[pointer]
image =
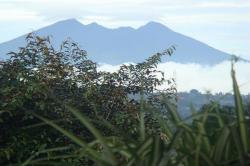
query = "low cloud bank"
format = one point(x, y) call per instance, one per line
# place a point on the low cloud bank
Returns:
point(216, 78)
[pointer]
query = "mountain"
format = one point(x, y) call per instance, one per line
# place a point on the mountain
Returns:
point(124, 44)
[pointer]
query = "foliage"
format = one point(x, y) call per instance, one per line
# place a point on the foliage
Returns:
point(58, 109)
point(40, 79)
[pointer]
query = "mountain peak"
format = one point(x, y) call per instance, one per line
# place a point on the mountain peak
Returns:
point(152, 25)
point(95, 25)
point(71, 21)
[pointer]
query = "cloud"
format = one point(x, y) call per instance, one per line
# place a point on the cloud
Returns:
point(224, 4)
point(215, 78)
point(17, 15)
point(130, 9)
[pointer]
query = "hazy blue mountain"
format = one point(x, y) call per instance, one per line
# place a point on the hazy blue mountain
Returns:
point(124, 44)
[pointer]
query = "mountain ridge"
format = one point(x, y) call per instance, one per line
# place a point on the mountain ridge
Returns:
point(125, 44)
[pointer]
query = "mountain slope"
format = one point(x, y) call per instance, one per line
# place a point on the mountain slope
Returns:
point(125, 44)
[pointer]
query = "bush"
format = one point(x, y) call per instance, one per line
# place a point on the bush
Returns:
point(39, 79)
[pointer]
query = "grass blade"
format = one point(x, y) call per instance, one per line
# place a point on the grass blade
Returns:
point(109, 156)
point(240, 113)
point(92, 153)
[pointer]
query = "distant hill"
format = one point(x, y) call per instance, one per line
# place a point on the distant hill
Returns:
point(197, 99)
point(124, 44)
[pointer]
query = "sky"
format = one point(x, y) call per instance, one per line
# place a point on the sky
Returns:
point(223, 24)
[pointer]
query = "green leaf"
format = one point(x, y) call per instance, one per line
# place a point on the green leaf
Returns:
point(240, 113)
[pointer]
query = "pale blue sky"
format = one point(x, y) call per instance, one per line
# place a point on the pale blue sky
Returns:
point(223, 24)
